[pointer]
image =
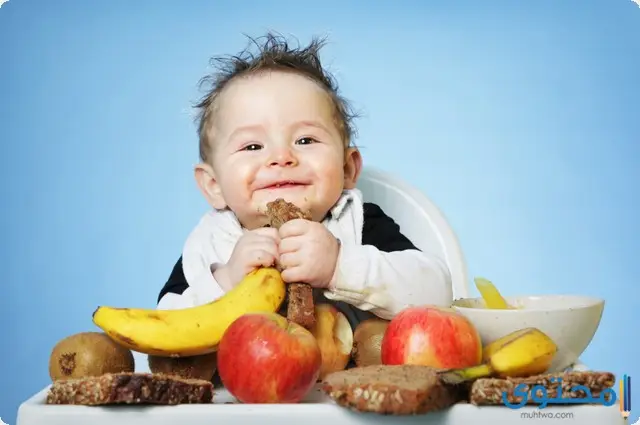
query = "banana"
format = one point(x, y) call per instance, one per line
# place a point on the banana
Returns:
point(196, 330)
point(526, 352)
point(492, 297)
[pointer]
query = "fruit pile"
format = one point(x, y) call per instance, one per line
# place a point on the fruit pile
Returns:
point(262, 357)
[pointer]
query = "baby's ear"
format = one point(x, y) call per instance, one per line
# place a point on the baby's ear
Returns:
point(206, 180)
point(352, 167)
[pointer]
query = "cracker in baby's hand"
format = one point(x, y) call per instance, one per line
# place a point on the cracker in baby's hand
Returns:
point(281, 211)
point(300, 308)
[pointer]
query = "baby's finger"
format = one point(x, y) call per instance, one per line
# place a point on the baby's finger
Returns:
point(268, 232)
point(262, 258)
point(260, 247)
point(293, 275)
point(289, 260)
point(258, 241)
point(295, 227)
point(266, 245)
point(291, 244)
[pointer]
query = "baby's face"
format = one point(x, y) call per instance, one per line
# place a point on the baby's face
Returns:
point(275, 137)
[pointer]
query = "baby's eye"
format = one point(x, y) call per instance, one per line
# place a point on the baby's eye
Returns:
point(252, 147)
point(306, 141)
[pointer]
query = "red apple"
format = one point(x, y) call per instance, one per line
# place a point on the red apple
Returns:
point(431, 336)
point(264, 358)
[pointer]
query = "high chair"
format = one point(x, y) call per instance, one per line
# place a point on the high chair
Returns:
point(419, 220)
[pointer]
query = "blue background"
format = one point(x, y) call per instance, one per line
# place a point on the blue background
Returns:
point(519, 119)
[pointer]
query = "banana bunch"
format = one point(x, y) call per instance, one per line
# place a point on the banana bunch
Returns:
point(196, 330)
point(522, 353)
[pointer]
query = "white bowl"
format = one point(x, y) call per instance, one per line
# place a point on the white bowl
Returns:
point(570, 320)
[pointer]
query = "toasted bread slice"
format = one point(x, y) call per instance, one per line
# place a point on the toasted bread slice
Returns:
point(488, 391)
point(392, 390)
point(130, 388)
point(300, 307)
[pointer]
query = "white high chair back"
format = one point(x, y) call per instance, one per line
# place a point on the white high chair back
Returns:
point(419, 220)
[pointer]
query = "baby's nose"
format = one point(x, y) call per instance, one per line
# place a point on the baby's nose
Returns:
point(282, 157)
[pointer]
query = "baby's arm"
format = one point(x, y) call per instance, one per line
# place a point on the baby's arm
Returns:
point(191, 282)
point(177, 293)
point(387, 272)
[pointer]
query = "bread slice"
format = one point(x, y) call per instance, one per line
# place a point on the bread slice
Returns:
point(392, 390)
point(300, 307)
point(488, 391)
point(130, 388)
point(281, 211)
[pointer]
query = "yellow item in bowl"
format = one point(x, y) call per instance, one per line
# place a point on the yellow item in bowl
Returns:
point(491, 295)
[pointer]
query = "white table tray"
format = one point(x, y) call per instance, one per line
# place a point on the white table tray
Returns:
point(317, 409)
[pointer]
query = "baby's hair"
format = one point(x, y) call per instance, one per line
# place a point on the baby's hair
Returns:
point(274, 54)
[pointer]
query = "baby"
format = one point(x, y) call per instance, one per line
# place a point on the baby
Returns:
point(274, 126)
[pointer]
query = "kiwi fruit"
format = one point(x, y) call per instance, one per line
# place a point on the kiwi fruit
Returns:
point(367, 341)
point(88, 354)
point(192, 367)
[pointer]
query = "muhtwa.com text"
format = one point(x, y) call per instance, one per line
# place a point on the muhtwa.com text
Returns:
point(546, 415)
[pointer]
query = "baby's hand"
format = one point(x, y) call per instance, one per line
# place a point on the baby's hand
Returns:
point(308, 253)
point(255, 248)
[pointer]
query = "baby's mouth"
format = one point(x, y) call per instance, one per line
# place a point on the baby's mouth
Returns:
point(285, 185)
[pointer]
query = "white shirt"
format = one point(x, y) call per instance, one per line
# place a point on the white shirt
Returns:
point(369, 279)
